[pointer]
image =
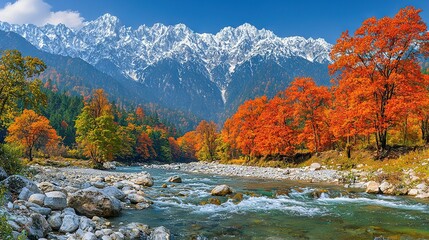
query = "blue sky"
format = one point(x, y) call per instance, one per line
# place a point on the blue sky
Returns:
point(326, 19)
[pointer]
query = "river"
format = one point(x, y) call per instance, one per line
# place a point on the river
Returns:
point(273, 209)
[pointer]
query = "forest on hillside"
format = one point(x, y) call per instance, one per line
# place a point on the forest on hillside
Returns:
point(379, 97)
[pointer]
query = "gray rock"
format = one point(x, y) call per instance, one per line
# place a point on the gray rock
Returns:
point(160, 233)
point(37, 198)
point(144, 180)
point(86, 224)
point(109, 165)
point(68, 211)
point(221, 190)
point(92, 202)
point(55, 200)
point(16, 183)
point(136, 198)
point(55, 221)
point(25, 194)
point(100, 185)
point(70, 224)
point(42, 210)
point(47, 187)
point(385, 187)
point(89, 236)
point(3, 174)
point(114, 192)
point(38, 227)
point(142, 205)
point(372, 187)
point(175, 179)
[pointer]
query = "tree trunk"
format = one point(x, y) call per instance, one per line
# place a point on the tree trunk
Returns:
point(30, 154)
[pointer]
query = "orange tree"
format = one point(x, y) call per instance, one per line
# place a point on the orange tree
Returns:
point(310, 104)
point(32, 131)
point(380, 63)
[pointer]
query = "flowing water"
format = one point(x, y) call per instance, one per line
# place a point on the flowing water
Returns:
point(276, 210)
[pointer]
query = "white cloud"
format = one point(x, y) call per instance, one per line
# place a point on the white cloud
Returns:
point(38, 13)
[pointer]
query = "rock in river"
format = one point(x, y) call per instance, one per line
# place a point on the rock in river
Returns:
point(373, 187)
point(92, 202)
point(221, 190)
point(175, 179)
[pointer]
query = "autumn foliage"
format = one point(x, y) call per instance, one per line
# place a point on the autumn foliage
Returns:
point(32, 131)
point(379, 80)
point(378, 91)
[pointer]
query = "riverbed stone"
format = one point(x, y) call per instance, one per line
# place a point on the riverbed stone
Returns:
point(25, 194)
point(89, 236)
point(221, 190)
point(55, 220)
point(70, 224)
point(175, 179)
point(136, 198)
point(413, 192)
point(55, 200)
point(42, 210)
point(38, 227)
point(160, 233)
point(145, 180)
point(112, 191)
point(86, 224)
point(92, 202)
point(315, 166)
point(48, 187)
point(16, 183)
point(37, 198)
point(372, 187)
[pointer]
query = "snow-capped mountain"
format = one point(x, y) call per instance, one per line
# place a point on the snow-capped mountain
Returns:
point(174, 60)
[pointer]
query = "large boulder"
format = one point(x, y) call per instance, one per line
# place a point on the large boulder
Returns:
point(3, 174)
point(16, 183)
point(372, 187)
point(112, 191)
point(92, 202)
point(160, 233)
point(55, 200)
point(143, 180)
point(221, 190)
point(38, 227)
point(175, 179)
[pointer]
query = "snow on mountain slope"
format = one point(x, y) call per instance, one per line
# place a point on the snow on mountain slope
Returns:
point(132, 50)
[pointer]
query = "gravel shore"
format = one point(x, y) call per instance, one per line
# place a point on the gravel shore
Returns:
point(296, 174)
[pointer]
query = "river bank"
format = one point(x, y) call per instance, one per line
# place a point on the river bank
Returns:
point(405, 182)
point(78, 203)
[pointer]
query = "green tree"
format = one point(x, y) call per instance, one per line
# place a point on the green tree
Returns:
point(96, 131)
point(17, 83)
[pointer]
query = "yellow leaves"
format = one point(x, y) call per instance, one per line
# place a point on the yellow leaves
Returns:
point(32, 130)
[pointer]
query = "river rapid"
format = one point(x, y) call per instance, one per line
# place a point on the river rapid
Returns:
point(274, 209)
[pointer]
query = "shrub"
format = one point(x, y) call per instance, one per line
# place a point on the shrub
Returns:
point(5, 229)
point(10, 158)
